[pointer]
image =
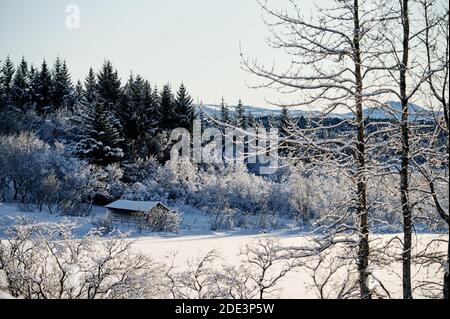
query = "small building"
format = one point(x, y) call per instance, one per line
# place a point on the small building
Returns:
point(141, 215)
point(135, 207)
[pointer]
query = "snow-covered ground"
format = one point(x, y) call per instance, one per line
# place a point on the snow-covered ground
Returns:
point(195, 239)
point(193, 221)
point(297, 284)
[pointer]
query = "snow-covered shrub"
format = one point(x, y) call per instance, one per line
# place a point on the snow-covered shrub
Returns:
point(160, 220)
point(140, 170)
point(42, 176)
point(222, 216)
point(301, 199)
point(43, 261)
point(175, 181)
point(105, 181)
point(262, 265)
point(236, 198)
point(179, 179)
point(104, 224)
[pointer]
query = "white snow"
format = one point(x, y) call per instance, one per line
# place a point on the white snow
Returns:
point(196, 239)
point(297, 284)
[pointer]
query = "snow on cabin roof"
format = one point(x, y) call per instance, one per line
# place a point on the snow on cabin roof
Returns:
point(138, 206)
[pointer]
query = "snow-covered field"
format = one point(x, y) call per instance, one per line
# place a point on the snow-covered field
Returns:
point(194, 240)
point(297, 284)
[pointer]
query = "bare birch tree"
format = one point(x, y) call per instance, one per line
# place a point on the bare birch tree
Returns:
point(435, 148)
point(334, 56)
point(409, 69)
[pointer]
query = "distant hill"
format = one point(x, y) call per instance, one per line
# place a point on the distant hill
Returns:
point(417, 113)
point(257, 111)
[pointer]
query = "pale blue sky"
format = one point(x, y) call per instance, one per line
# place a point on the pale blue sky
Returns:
point(195, 41)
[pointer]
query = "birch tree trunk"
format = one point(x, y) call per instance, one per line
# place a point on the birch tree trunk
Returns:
point(404, 171)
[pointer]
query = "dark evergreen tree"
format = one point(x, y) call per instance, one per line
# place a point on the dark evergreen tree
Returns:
point(252, 121)
point(34, 84)
point(90, 87)
point(156, 105)
point(168, 120)
point(108, 86)
point(79, 92)
point(128, 110)
point(302, 122)
point(151, 106)
point(150, 109)
point(224, 113)
point(99, 141)
point(285, 124)
point(6, 82)
point(184, 109)
point(62, 89)
point(139, 115)
point(44, 90)
point(201, 116)
point(240, 120)
point(21, 91)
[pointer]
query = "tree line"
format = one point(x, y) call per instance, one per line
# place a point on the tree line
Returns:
point(110, 121)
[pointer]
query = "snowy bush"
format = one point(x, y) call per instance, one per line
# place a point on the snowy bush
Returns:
point(140, 170)
point(43, 261)
point(106, 181)
point(160, 220)
point(261, 267)
point(42, 176)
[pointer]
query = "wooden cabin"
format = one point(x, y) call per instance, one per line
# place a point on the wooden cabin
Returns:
point(132, 207)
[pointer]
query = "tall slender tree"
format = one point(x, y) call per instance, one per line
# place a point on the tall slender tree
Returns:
point(6, 81)
point(285, 123)
point(224, 112)
point(333, 54)
point(90, 86)
point(108, 86)
point(184, 108)
point(20, 92)
point(34, 86)
point(44, 90)
point(63, 95)
point(240, 120)
point(168, 118)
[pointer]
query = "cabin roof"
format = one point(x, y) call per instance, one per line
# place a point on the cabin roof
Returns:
point(131, 205)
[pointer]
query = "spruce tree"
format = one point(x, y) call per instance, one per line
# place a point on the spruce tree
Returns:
point(90, 86)
point(240, 120)
point(21, 91)
point(128, 110)
point(285, 123)
point(6, 82)
point(252, 121)
point(150, 107)
point(184, 109)
point(224, 113)
point(79, 92)
point(108, 86)
point(99, 141)
point(167, 109)
point(139, 115)
point(34, 84)
point(156, 105)
point(62, 88)
point(44, 90)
